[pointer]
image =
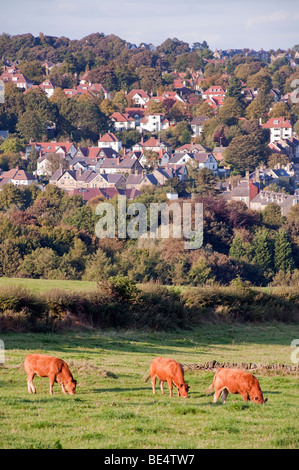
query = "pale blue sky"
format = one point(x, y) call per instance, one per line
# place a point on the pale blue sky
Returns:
point(223, 24)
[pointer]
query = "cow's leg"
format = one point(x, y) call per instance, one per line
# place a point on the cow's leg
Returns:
point(31, 387)
point(153, 380)
point(245, 396)
point(161, 387)
point(170, 387)
point(51, 380)
point(224, 394)
point(63, 389)
point(217, 395)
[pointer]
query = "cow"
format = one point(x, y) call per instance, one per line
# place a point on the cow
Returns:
point(227, 381)
point(170, 371)
point(47, 366)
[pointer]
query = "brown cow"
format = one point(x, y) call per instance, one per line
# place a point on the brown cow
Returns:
point(227, 381)
point(170, 371)
point(47, 366)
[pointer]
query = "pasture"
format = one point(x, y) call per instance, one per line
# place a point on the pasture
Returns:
point(115, 409)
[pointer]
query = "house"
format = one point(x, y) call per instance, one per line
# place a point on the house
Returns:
point(206, 160)
point(215, 102)
point(105, 193)
point(136, 114)
point(245, 191)
point(17, 78)
point(154, 122)
point(214, 91)
point(191, 148)
point(218, 153)
point(139, 181)
point(48, 87)
point(197, 125)
point(284, 201)
point(156, 145)
point(289, 147)
point(74, 179)
point(117, 165)
point(162, 175)
point(65, 149)
point(43, 166)
point(18, 177)
point(180, 158)
point(280, 128)
point(249, 94)
point(110, 140)
point(138, 97)
point(88, 152)
point(122, 121)
point(168, 95)
point(200, 159)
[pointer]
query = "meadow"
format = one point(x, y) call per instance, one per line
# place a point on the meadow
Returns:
point(114, 408)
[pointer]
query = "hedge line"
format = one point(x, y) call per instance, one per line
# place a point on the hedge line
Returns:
point(153, 307)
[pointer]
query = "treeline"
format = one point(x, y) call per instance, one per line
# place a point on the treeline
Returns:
point(118, 303)
point(51, 235)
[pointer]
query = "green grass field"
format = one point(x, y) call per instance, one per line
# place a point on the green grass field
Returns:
point(115, 409)
point(42, 285)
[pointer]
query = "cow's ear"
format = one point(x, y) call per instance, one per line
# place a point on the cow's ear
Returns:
point(266, 399)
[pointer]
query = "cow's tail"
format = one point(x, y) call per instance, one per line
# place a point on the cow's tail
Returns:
point(211, 387)
point(146, 378)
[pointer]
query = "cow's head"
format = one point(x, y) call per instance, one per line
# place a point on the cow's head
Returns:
point(183, 390)
point(71, 386)
point(258, 398)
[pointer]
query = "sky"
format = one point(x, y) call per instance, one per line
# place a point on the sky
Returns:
point(256, 24)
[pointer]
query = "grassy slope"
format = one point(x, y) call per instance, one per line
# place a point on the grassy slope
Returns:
point(40, 285)
point(122, 412)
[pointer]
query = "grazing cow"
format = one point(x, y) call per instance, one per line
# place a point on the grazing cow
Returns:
point(170, 371)
point(227, 381)
point(47, 366)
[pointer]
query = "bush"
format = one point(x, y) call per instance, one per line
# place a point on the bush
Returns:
point(119, 304)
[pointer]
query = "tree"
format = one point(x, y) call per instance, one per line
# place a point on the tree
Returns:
point(243, 153)
point(12, 145)
point(202, 181)
point(30, 127)
point(39, 263)
point(280, 109)
point(32, 70)
point(259, 107)
point(283, 259)
point(234, 90)
point(230, 111)
point(261, 80)
point(11, 195)
point(237, 250)
point(200, 272)
point(120, 101)
point(152, 159)
point(262, 250)
point(271, 216)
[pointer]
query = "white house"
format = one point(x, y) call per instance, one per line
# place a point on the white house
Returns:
point(197, 125)
point(154, 123)
point(280, 128)
point(110, 140)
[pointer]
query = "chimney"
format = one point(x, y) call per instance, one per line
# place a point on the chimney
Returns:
point(253, 191)
point(257, 175)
